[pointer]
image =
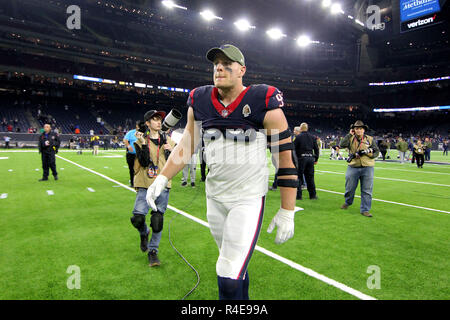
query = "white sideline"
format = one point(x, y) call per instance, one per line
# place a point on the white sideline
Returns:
point(384, 168)
point(288, 262)
point(392, 179)
point(387, 201)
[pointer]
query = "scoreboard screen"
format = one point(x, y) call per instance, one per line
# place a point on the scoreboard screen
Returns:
point(416, 14)
point(412, 9)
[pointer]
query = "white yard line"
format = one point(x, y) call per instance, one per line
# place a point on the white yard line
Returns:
point(393, 179)
point(50, 192)
point(392, 202)
point(288, 262)
point(384, 168)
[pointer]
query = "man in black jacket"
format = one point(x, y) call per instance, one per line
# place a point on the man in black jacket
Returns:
point(307, 153)
point(48, 146)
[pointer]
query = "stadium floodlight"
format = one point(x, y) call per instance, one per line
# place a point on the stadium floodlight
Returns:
point(336, 8)
point(303, 41)
point(170, 4)
point(243, 25)
point(326, 3)
point(208, 15)
point(275, 34)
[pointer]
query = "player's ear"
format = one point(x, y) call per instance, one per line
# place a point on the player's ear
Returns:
point(243, 70)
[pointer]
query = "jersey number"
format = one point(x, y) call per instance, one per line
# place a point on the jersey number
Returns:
point(279, 97)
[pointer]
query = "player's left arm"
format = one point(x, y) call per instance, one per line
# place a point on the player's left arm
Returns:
point(276, 124)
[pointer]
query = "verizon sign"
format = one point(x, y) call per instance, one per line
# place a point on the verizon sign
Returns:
point(420, 22)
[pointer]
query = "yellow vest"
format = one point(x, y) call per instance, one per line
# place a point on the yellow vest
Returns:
point(141, 178)
point(419, 149)
point(355, 146)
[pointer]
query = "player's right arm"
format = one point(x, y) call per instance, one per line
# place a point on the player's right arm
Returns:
point(180, 155)
point(183, 151)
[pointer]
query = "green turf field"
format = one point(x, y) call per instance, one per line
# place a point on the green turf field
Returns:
point(42, 235)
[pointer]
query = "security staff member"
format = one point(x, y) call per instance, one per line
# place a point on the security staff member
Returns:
point(307, 153)
point(48, 146)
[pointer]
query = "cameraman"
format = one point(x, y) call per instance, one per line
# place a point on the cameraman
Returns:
point(152, 150)
point(361, 161)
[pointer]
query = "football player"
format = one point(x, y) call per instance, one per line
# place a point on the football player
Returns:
point(236, 123)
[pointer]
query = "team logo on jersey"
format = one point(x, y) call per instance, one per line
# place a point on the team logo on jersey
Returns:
point(224, 113)
point(246, 111)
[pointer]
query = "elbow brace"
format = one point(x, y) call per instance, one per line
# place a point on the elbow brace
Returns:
point(283, 147)
point(278, 137)
point(288, 183)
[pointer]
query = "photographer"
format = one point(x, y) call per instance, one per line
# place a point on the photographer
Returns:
point(419, 153)
point(152, 150)
point(361, 161)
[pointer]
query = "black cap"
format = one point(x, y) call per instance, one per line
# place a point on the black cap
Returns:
point(150, 114)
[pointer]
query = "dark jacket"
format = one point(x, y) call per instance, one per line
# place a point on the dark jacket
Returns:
point(49, 143)
point(306, 143)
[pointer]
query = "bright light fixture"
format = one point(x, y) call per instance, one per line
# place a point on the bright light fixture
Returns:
point(275, 34)
point(326, 3)
point(336, 8)
point(243, 25)
point(303, 41)
point(208, 15)
point(170, 4)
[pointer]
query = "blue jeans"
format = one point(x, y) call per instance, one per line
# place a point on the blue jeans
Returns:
point(352, 176)
point(141, 207)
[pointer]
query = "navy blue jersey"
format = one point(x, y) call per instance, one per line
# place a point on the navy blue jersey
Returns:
point(246, 112)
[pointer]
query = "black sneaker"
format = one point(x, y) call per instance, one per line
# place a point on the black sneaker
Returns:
point(56, 177)
point(184, 184)
point(43, 179)
point(193, 184)
point(153, 259)
point(144, 242)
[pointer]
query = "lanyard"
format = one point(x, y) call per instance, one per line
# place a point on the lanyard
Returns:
point(157, 150)
point(360, 144)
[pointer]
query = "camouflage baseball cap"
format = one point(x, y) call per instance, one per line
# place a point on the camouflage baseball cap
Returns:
point(232, 52)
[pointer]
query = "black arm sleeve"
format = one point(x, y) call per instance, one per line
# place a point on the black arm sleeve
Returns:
point(316, 150)
point(40, 144)
point(142, 155)
point(57, 142)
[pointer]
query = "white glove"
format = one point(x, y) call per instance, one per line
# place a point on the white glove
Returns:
point(155, 190)
point(284, 221)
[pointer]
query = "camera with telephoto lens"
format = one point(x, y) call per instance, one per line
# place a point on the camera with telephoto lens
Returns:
point(365, 152)
point(171, 120)
point(352, 156)
point(142, 127)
